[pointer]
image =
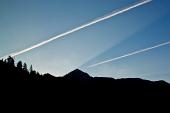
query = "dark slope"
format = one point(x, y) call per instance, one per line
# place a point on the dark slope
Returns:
point(78, 82)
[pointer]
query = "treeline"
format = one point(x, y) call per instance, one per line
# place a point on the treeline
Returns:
point(78, 81)
point(19, 71)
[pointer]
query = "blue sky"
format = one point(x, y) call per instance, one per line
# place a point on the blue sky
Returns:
point(27, 22)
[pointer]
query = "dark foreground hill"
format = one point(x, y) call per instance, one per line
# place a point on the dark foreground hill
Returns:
point(79, 83)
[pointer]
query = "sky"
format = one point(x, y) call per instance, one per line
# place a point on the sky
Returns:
point(24, 23)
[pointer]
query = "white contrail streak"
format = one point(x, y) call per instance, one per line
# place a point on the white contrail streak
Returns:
point(110, 15)
point(129, 54)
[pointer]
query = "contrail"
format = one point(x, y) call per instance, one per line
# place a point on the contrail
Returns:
point(108, 16)
point(129, 54)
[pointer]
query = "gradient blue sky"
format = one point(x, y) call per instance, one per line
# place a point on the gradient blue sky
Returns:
point(26, 22)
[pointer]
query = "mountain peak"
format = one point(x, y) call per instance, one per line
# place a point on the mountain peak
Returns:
point(77, 75)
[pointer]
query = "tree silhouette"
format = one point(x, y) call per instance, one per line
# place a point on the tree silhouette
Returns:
point(31, 69)
point(25, 67)
point(19, 65)
point(10, 61)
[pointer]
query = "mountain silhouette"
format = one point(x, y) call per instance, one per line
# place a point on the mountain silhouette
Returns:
point(77, 75)
point(78, 81)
